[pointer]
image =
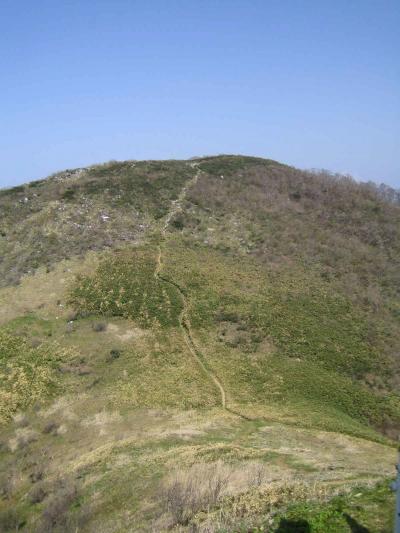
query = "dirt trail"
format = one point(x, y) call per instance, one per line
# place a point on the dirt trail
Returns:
point(184, 315)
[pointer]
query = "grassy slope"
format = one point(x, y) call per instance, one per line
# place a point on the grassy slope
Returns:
point(284, 343)
point(49, 220)
point(270, 305)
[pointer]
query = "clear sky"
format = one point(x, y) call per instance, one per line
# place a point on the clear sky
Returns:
point(312, 83)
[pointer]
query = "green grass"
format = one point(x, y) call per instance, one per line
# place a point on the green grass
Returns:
point(364, 510)
point(31, 326)
point(282, 338)
point(27, 375)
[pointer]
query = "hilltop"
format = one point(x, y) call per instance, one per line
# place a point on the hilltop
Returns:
point(227, 326)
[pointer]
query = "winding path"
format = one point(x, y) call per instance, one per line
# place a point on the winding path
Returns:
point(184, 320)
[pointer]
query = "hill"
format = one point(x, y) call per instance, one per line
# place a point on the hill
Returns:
point(197, 345)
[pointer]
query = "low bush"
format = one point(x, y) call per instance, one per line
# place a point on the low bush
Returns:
point(113, 355)
point(21, 420)
point(26, 439)
point(50, 427)
point(37, 494)
point(27, 374)
point(178, 223)
point(37, 474)
point(99, 326)
point(62, 511)
point(11, 520)
point(187, 492)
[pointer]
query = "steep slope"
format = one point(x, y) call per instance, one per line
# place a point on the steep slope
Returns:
point(229, 320)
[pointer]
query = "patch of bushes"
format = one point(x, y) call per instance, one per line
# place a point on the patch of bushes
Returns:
point(311, 387)
point(11, 520)
point(284, 336)
point(27, 374)
point(99, 326)
point(41, 232)
point(186, 493)
point(301, 508)
point(125, 285)
point(307, 320)
point(68, 194)
point(13, 190)
point(113, 355)
point(62, 509)
point(226, 165)
point(149, 186)
point(37, 494)
point(363, 510)
point(50, 427)
point(328, 221)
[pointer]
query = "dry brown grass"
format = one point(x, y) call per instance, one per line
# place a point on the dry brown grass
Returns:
point(255, 509)
point(185, 493)
point(44, 292)
point(219, 497)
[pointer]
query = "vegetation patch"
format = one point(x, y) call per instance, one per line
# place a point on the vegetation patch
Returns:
point(125, 285)
point(363, 509)
point(27, 374)
point(79, 210)
point(304, 509)
point(284, 336)
point(226, 165)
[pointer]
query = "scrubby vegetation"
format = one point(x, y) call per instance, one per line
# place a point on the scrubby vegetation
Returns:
point(303, 509)
point(27, 375)
point(224, 359)
point(125, 285)
point(330, 223)
point(364, 509)
point(286, 337)
point(79, 210)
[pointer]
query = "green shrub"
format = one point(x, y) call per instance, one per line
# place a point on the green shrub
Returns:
point(68, 194)
point(27, 374)
point(11, 520)
point(362, 510)
point(113, 355)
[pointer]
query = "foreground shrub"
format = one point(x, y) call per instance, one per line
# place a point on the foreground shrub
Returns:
point(62, 510)
point(187, 492)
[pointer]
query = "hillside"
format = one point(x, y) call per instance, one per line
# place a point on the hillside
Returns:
point(206, 345)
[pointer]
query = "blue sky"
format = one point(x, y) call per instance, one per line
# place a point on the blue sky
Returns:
point(309, 83)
